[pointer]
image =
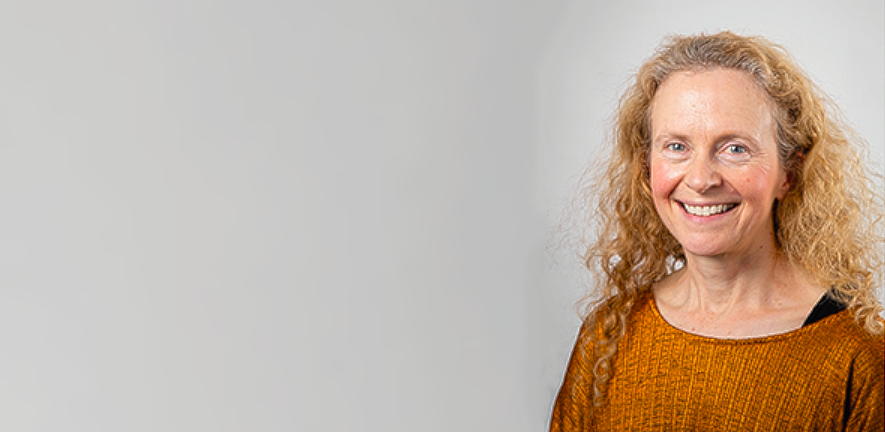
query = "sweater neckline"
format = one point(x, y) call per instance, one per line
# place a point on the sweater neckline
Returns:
point(652, 303)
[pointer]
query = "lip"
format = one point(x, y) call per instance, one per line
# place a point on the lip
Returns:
point(706, 204)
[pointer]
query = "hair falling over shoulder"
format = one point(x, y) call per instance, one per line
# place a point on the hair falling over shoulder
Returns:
point(829, 223)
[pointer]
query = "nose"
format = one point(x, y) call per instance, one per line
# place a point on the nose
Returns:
point(702, 175)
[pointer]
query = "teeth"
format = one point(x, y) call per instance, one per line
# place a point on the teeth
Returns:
point(708, 210)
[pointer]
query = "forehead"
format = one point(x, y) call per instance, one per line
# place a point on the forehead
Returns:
point(710, 99)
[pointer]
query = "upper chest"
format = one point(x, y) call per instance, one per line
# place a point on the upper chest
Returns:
point(737, 324)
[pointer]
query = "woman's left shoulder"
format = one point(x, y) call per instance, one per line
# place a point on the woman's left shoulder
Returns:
point(866, 378)
point(844, 330)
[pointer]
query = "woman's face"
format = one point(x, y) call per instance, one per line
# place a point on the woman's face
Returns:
point(714, 162)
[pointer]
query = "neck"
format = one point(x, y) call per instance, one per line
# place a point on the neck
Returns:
point(750, 295)
point(720, 284)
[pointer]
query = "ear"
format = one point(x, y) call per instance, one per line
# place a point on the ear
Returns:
point(786, 184)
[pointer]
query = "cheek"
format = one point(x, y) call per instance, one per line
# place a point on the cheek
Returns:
point(764, 184)
point(663, 180)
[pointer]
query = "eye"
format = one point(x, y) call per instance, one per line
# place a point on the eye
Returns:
point(735, 149)
point(677, 147)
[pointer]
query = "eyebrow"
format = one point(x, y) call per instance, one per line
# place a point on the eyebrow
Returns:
point(668, 137)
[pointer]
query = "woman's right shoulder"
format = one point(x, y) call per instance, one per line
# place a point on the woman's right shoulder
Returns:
point(605, 314)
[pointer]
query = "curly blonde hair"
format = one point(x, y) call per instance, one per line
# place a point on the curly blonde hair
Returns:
point(829, 223)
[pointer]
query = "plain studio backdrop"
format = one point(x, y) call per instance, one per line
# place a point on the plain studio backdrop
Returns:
point(278, 216)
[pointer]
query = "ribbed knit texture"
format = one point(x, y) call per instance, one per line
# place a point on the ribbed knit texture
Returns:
point(827, 376)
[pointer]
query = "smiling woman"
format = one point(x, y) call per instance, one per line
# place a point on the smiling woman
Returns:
point(738, 257)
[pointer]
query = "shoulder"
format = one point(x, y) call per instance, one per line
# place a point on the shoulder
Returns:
point(602, 322)
point(611, 317)
point(849, 332)
point(572, 410)
point(607, 313)
point(869, 348)
point(845, 338)
point(865, 380)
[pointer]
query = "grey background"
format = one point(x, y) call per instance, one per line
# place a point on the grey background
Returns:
point(278, 216)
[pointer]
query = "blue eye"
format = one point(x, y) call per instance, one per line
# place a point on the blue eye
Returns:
point(676, 147)
point(736, 149)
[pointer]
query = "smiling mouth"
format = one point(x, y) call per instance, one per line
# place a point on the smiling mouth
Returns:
point(707, 210)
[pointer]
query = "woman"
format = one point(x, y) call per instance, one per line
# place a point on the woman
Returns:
point(739, 255)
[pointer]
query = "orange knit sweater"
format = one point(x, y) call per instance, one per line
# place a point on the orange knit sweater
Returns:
point(827, 376)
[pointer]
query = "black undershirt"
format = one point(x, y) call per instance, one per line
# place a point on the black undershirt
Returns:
point(825, 307)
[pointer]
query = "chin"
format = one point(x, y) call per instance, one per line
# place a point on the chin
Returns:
point(706, 250)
